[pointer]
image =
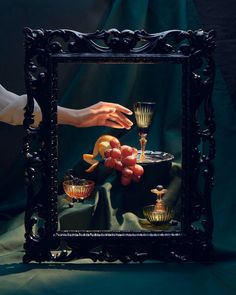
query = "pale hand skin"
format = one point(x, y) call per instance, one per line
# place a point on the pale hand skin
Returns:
point(100, 114)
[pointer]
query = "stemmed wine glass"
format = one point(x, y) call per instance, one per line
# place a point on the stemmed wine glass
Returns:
point(143, 114)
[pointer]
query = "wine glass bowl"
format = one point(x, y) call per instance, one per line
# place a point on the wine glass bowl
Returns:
point(143, 112)
point(78, 189)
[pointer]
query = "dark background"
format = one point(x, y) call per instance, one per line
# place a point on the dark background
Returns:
point(157, 15)
point(87, 16)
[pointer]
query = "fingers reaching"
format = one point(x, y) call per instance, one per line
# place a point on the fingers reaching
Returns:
point(121, 119)
point(117, 106)
point(100, 114)
point(114, 115)
point(112, 124)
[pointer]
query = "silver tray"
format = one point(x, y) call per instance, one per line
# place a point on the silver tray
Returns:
point(153, 157)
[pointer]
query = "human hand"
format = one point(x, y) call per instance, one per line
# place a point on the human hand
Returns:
point(100, 114)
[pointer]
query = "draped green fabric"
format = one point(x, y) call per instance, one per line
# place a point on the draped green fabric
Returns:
point(83, 85)
point(114, 207)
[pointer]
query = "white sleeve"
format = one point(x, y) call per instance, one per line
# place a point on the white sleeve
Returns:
point(12, 108)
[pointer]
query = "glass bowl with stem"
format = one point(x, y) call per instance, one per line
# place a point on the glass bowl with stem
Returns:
point(143, 112)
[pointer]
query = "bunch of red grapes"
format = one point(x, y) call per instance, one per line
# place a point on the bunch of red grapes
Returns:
point(123, 159)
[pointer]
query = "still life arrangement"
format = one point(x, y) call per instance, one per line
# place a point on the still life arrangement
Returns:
point(123, 158)
point(129, 164)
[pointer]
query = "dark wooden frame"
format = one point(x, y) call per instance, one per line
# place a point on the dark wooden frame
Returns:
point(44, 49)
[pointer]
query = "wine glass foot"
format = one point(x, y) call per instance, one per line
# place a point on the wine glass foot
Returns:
point(142, 157)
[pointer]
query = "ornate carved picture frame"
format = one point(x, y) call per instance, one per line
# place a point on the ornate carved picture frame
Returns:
point(193, 51)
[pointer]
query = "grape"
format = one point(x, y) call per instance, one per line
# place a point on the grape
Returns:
point(109, 162)
point(123, 159)
point(114, 143)
point(129, 161)
point(137, 170)
point(107, 153)
point(127, 172)
point(125, 180)
point(118, 165)
point(136, 178)
point(126, 150)
point(115, 153)
point(135, 151)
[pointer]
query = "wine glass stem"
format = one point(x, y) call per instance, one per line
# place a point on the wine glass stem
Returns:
point(143, 142)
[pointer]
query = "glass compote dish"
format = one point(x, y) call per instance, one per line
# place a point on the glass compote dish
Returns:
point(159, 213)
point(143, 114)
point(78, 189)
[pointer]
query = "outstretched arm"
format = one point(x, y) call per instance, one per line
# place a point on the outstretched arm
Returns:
point(100, 114)
point(12, 108)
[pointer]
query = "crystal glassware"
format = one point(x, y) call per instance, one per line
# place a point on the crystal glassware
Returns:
point(158, 214)
point(143, 112)
point(159, 191)
point(158, 217)
point(78, 189)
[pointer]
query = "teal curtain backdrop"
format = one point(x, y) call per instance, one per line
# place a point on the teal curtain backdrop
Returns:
point(126, 84)
point(83, 85)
